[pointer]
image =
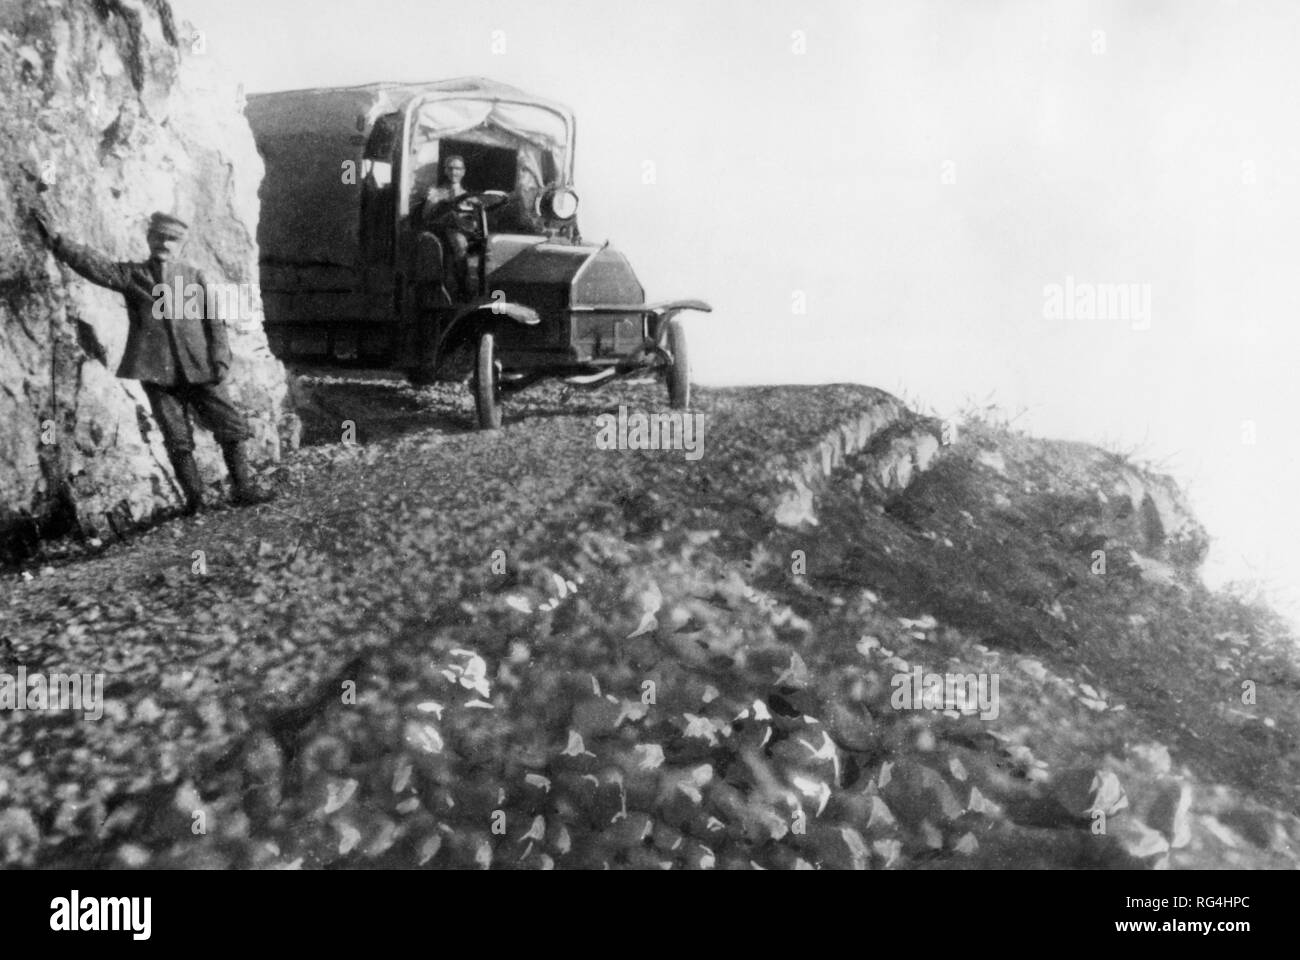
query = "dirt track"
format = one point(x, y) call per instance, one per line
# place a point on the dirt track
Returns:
point(367, 543)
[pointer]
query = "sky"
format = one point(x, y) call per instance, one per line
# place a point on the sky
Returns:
point(889, 193)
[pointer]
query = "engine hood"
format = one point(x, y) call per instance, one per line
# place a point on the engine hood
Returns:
point(559, 275)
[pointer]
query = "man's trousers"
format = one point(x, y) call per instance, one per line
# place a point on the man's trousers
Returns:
point(210, 404)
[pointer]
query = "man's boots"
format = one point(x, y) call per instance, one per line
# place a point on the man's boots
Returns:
point(245, 491)
point(187, 475)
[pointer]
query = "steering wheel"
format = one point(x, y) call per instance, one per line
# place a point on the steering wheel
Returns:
point(471, 210)
point(486, 199)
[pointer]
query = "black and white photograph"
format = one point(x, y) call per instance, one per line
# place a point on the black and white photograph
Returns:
point(759, 435)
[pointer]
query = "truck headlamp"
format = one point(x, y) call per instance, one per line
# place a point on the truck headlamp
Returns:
point(559, 204)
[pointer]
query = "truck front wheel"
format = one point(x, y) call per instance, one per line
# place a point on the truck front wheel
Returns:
point(487, 384)
point(679, 374)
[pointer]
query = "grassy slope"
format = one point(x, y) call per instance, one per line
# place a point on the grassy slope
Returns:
point(1176, 653)
point(1000, 549)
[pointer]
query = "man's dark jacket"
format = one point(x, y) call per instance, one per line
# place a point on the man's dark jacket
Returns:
point(167, 350)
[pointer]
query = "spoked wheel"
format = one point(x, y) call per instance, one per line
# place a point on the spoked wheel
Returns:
point(487, 384)
point(679, 374)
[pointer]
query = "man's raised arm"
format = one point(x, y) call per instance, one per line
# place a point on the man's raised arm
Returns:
point(91, 264)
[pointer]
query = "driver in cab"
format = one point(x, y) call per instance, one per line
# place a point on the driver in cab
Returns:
point(440, 218)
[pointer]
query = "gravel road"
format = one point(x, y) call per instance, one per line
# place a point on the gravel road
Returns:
point(213, 631)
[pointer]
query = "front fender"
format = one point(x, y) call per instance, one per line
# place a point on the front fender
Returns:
point(675, 306)
point(485, 310)
point(661, 313)
point(499, 307)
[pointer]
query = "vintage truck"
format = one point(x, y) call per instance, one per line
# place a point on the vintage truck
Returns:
point(486, 280)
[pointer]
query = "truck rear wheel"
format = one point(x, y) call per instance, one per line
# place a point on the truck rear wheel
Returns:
point(487, 384)
point(679, 374)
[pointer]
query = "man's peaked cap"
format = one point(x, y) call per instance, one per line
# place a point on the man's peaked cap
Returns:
point(168, 226)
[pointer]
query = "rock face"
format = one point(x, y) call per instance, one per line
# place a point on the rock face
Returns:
point(112, 111)
point(1158, 518)
point(896, 449)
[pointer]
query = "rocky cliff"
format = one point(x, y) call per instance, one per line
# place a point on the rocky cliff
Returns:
point(113, 111)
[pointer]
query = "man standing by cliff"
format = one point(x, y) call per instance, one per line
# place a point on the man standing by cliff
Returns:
point(179, 359)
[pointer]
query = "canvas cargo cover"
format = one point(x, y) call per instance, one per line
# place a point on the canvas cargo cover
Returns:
point(309, 214)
